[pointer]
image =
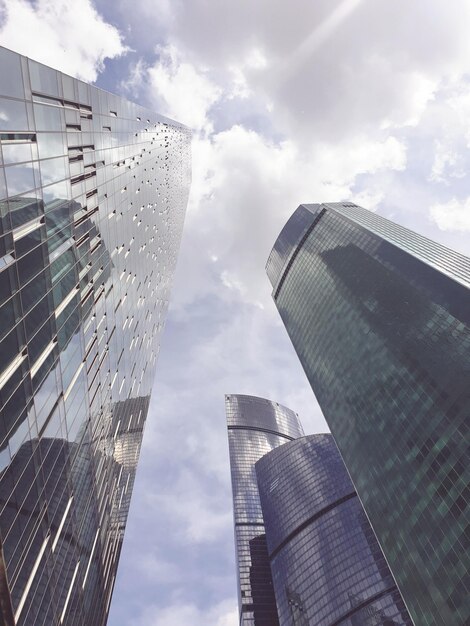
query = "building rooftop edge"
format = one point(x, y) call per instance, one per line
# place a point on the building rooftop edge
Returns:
point(436, 255)
point(163, 118)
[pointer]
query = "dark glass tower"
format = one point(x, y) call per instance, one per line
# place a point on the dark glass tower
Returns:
point(327, 566)
point(380, 319)
point(93, 191)
point(255, 426)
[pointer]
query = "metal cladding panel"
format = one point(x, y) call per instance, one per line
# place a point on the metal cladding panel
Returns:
point(93, 191)
point(381, 324)
point(326, 564)
point(255, 426)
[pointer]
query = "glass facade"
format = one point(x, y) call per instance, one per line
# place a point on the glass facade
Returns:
point(326, 564)
point(255, 426)
point(93, 191)
point(380, 319)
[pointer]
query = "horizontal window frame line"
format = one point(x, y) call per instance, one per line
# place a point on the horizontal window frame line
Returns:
point(249, 524)
point(359, 607)
point(313, 518)
point(262, 430)
point(298, 248)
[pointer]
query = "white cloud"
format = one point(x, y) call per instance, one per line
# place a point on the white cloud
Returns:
point(67, 35)
point(135, 78)
point(357, 117)
point(448, 163)
point(244, 188)
point(453, 215)
point(183, 92)
point(368, 198)
point(332, 68)
point(183, 614)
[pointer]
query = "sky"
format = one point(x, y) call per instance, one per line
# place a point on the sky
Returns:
point(366, 100)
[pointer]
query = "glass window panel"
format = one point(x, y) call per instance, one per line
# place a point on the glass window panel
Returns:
point(9, 315)
point(69, 328)
point(48, 118)
point(52, 170)
point(39, 342)
point(34, 291)
point(56, 194)
point(5, 459)
point(8, 284)
point(30, 264)
point(18, 436)
point(28, 242)
point(13, 409)
point(53, 424)
point(17, 152)
point(62, 265)
point(59, 227)
point(46, 397)
point(83, 93)
point(68, 86)
point(23, 209)
point(51, 144)
point(35, 319)
point(43, 79)
point(3, 191)
point(72, 116)
point(21, 178)
point(12, 80)
point(9, 348)
point(70, 358)
point(13, 115)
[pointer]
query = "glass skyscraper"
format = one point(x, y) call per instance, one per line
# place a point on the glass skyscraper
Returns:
point(255, 426)
point(380, 319)
point(93, 191)
point(327, 566)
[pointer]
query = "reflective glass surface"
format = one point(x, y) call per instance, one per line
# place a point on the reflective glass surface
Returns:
point(380, 319)
point(89, 236)
point(255, 426)
point(326, 564)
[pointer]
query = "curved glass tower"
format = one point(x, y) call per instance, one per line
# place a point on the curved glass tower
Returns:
point(326, 564)
point(255, 426)
point(93, 192)
point(380, 319)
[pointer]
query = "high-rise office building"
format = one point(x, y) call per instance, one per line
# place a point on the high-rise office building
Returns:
point(93, 191)
point(255, 426)
point(380, 319)
point(327, 566)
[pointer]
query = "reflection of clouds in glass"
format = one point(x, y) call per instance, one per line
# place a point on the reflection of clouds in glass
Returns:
point(52, 170)
point(16, 152)
point(21, 178)
point(58, 191)
point(13, 115)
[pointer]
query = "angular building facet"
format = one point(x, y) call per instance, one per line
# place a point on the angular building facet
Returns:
point(327, 566)
point(255, 426)
point(93, 191)
point(380, 319)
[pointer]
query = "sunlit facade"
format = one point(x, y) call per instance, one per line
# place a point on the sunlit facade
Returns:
point(93, 191)
point(380, 319)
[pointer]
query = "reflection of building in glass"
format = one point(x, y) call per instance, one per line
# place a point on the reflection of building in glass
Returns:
point(255, 426)
point(93, 191)
point(380, 319)
point(327, 567)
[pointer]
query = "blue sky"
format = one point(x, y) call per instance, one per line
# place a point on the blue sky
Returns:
point(294, 102)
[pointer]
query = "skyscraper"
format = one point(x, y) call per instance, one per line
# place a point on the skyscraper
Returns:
point(326, 564)
point(255, 426)
point(380, 319)
point(93, 191)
